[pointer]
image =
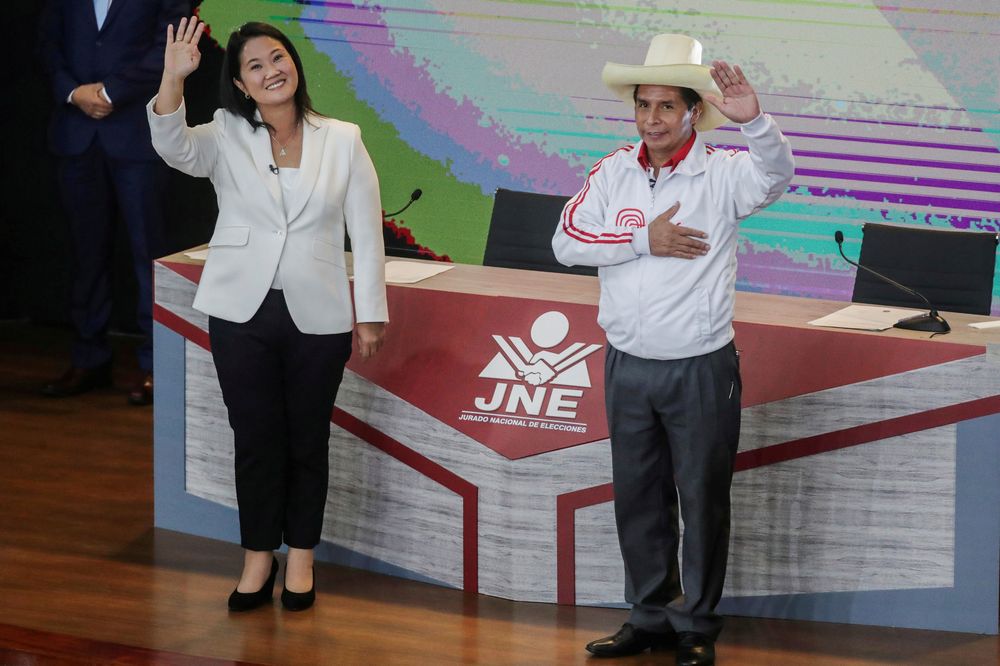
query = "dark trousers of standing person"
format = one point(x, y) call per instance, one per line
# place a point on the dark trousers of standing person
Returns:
point(94, 187)
point(674, 429)
point(279, 386)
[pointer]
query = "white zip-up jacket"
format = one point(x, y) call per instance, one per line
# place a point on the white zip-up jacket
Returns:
point(665, 307)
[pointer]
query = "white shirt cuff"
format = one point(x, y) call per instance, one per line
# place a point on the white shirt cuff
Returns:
point(104, 94)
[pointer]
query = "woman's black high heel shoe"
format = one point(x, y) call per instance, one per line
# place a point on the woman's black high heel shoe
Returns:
point(244, 601)
point(299, 601)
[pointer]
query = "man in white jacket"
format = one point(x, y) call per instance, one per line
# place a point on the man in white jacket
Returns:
point(659, 219)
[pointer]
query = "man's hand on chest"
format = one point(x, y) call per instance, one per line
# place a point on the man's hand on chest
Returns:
point(672, 239)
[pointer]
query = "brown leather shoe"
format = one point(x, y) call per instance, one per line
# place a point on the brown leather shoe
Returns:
point(142, 392)
point(79, 380)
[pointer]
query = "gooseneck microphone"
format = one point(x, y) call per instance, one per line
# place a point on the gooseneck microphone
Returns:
point(931, 322)
point(416, 194)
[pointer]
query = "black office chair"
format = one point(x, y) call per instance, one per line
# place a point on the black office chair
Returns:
point(521, 230)
point(953, 269)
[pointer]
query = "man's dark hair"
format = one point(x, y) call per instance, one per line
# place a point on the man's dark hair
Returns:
point(690, 96)
point(232, 98)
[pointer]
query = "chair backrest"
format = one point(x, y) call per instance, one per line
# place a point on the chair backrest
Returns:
point(521, 230)
point(953, 269)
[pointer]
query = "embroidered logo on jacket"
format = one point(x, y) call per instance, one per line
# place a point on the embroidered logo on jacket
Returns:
point(630, 217)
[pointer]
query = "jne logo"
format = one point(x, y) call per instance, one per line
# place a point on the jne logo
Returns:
point(536, 389)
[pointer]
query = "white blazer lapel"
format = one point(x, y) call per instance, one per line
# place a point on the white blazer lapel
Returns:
point(313, 149)
point(263, 160)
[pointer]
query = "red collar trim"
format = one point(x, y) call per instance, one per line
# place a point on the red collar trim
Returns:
point(674, 160)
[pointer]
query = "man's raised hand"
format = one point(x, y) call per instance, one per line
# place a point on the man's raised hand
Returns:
point(738, 101)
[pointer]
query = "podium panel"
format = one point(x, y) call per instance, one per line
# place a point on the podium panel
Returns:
point(473, 453)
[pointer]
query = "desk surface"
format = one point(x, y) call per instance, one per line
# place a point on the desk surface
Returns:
point(582, 289)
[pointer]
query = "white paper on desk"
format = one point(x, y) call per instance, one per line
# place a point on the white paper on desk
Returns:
point(986, 324)
point(197, 255)
point(864, 317)
point(411, 272)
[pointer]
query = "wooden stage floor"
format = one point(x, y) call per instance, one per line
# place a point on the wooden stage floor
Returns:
point(84, 577)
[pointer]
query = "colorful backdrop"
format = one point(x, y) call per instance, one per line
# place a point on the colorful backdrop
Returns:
point(892, 110)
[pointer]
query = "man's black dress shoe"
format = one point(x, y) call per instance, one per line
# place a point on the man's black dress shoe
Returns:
point(630, 640)
point(244, 601)
point(142, 392)
point(695, 649)
point(299, 601)
point(79, 380)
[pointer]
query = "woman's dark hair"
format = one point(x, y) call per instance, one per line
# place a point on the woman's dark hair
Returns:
point(232, 98)
point(690, 96)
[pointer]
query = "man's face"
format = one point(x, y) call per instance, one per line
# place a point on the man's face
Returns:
point(663, 120)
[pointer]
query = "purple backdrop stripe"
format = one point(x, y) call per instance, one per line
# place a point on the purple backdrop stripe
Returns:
point(868, 121)
point(812, 98)
point(352, 41)
point(901, 161)
point(890, 142)
point(788, 133)
point(835, 119)
point(921, 181)
point(872, 102)
point(448, 31)
point(765, 269)
point(798, 207)
point(892, 197)
point(840, 119)
point(382, 26)
point(880, 159)
point(327, 3)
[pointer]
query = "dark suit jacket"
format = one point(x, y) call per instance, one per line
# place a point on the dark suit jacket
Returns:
point(126, 55)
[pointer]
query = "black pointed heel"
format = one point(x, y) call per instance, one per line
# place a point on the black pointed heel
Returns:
point(299, 601)
point(245, 601)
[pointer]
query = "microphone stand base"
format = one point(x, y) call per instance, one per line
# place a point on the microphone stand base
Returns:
point(931, 322)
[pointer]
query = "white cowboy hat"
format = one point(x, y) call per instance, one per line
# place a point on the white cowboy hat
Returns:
point(672, 60)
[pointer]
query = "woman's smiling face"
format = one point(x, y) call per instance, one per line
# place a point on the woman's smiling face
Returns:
point(267, 72)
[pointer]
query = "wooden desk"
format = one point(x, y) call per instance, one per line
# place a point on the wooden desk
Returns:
point(868, 477)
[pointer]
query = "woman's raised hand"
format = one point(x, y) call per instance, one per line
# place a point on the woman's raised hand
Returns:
point(182, 55)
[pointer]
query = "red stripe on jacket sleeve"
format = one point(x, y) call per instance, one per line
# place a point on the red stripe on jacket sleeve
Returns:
point(575, 232)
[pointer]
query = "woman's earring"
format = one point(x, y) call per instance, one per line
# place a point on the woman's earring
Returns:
point(247, 95)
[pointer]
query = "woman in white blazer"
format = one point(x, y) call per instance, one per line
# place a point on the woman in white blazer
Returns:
point(289, 182)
